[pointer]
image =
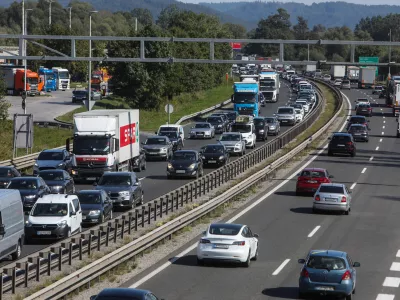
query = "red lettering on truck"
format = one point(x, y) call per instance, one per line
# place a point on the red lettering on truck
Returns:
point(83, 159)
point(127, 135)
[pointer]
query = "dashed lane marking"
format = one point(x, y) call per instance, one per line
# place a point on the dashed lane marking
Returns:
point(353, 185)
point(363, 170)
point(383, 133)
point(395, 267)
point(380, 141)
point(377, 148)
point(370, 159)
point(314, 231)
point(385, 297)
point(280, 268)
point(383, 127)
point(392, 282)
point(398, 253)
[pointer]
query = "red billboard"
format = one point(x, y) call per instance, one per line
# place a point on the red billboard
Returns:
point(127, 135)
point(236, 46)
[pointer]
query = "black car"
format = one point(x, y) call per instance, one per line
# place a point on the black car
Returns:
point(218, 123)
point(6, 174)
point(382, 93)
point(124, 294)
point(342, 143)
point(30, 188)
point(185, 163)
point(364, 109)
point(214, 155)
point(231, 115)
point(357, 120)
point(359, 132)
point(262, 128)
point(96, 206)
point(224, 117)
point(79, 96)
point(139, 162)
point(175, 138)
point(59, 181)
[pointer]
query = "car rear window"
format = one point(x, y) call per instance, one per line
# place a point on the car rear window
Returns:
point(357, 120)
point(340, 138)
point(333, 189)
point(224, 229)
point(326, 263)
point(317, 174)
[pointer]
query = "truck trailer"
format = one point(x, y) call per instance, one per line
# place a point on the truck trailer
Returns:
point(353, 73)
point(14, 77)
point(338, 72)
point(366, 78)
point(269, 86)
point(104, 141)
point(62, 78)
point(393, 94)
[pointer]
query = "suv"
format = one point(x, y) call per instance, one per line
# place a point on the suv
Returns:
point(52, 159)
point(342, 143)
point(96, 206)
point(346, 84)
point(377, 90)
point(359, 132)
point(233, 142)
point(54, 216)
point(224, 117)
point(286, 115)
point(357, 120)
point(158, 147)
point(364, 109)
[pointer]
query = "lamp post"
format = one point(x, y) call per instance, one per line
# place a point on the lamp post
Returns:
point(70, 17)
point(50, 2)
point(23, 31)
point(26, 62)
point(90, 55)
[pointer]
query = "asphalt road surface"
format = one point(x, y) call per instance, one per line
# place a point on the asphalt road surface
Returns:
point(289, 230)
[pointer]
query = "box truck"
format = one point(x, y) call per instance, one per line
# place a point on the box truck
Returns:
point(353, 73)
point(366, 78)
point(338, 72)
point(14, 77)
point(104, 141)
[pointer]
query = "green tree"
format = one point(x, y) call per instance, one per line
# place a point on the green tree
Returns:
point(143, 15)
point(4, 105)
point(237, 31)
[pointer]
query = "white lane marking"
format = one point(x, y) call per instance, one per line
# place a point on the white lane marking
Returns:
point(395, 266)
point(142, 178)
point(314, 231)
point(381, 109)
point(370, 159)
point(190, 248)
point(384, 122)
point(280, 268)
point(398, 253)
point(384, 117)
point(353, 185)
point(363, 170)
point(392, 282)
point(383, 133)
point(380, 141)
point(385, 297)
point(383, 127)
point(377, 148)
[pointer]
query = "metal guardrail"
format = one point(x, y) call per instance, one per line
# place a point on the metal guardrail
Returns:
point(203, 112)
point(33, 266)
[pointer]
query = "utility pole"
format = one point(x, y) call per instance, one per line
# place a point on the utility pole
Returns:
point(70, 18)
point(23, 31)
point(390, 49)
point(135, 24)
point(90, 62)
point(26, 62)
point(50, 2)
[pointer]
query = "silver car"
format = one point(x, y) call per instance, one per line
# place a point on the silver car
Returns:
point(286, 115)
point(346, 84)
point(274, 127)
point(233, 142)
point(158, 147)
point(333, 197)
point(202, 130)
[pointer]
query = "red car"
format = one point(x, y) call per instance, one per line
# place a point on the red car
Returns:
point(309, 180)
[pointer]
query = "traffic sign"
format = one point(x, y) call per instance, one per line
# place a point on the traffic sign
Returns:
point(371, 60)
point(169, 108)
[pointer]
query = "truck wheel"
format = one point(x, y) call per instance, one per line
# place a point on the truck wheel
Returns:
point(144, 165)
point(17, 252)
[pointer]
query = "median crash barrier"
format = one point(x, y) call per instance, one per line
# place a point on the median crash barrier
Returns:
point(37, 264)
point(92, 271)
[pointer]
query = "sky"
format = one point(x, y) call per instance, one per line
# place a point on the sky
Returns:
point(367, 2)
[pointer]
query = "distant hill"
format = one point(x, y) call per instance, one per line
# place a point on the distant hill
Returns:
point(329, 14)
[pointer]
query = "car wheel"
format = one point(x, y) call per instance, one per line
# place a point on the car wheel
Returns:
point(200, 262)
point(302, 295)
point(144, 165)
point(349, 297)
point(69, 232)
point(246, 264)
point(330, 153)
point(169, 177)
point(367, 140)
point(353, 154)
point(298, 193)
point(17, 252)
point(354, 290)
point(111, 215)
point(256, 255)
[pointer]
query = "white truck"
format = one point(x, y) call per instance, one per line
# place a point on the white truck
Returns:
point(104, 141)
point(366, 78)
point(269, 86)
point(338, 72)
point(311, 68)
point(63, 80)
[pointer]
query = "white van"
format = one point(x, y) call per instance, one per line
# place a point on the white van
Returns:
point(11, 224)
point(173, 128)
point(54, 216)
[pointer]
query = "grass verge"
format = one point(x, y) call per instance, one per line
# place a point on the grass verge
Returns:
point(78, 85)
point(43, 138)
point(184, 104)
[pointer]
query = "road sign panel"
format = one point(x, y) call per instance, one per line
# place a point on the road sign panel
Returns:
point(169, 108)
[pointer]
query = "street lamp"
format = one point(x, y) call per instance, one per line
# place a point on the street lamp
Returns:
point(70, 19)
point(90, 55)
point(390, 48)
point(50, 2)
point(26, 62)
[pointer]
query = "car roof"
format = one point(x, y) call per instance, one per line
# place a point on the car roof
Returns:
point(214, 145)
point(56, 198)
point(314, 169)
point(53, 150)
point(52, 171)
point(357, 116)
point(170, 125)
point(185, 151)
point(333, 253)
point(157, 137)
point(357, 125)
point(123, 292)
point(228, 225)
point(117, 173)
point(25, 178)
point(231, 133)
point(201, 123)
point(333, 184)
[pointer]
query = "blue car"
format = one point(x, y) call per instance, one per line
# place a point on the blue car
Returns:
point(124, 294)
point(327, 273)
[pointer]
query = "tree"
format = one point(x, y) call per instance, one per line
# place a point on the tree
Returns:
point(237, 31)
point(143, 15)
point(4, 104)
point(301, 30)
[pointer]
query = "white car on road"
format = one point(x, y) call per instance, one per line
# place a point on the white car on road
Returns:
point(299, 114)
point(228, 242)
point(305, 105)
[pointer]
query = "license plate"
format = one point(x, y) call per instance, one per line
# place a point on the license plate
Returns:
point(283, 121)
point(364, 110)
point(200, 134)
point(212, 161)
point(340, 145)
point(312, 181)
point(91, 178)
point(357, 134)
point(324, 288)
point(44, 233)
point(330, 199)
point(221, 246)
point(181, 171)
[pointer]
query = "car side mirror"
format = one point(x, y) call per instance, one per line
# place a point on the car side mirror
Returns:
point(256, 235)
point(2, 229)
point(331, 176)
point(356, 265)
point(72, 213)
point(301, 261)
point(136, 184)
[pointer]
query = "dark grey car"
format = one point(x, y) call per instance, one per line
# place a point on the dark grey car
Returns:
point(6, 174)
point(52, 159)
point(123, 188)
point(158, 147)
point(59, 181)
point(274, 127)
point(359, 132)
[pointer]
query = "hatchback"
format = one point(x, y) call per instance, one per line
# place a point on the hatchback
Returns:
point(342, 143)
point(364, 109)
point(357, 120)
point(359, 132)
point(333, 197)
point(310, 179)
point(346, 84)
point(327, 272)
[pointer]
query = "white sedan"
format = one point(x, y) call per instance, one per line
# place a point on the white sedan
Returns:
point(299, 114)
point(228, 242)
point(305, 105)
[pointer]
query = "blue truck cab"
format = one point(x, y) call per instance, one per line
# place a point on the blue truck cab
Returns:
point(49, 78)
point(246, 97)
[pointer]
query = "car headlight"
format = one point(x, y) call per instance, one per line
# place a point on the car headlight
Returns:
point(94, 212)
point(208, 132)
point(163, 149)
point(238, 145)
point(62, 223)
point(261, 131)
point(170, 166)
point(292, 117)
point(221, 157)
point(192, 166)
point(36, 165)
point(60, 165)
point(192, 132)
point(57, 187)
point(30, 197)
point(203, 157)
point(28, 224)
point(272, 127)
point(219, 126)
point(124, 193)
point(136, 160)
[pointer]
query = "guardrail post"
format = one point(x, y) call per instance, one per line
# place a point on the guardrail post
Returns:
point(177, 200)
point(13, 278)
point(161, 206)
point(123, 226)
point(166, 204)
point(130, 222)
point(136, 218)
point(172, 201)
point(191, 192)
point(49, 264)
point(60, 257)
point(107, 235)
point(80, 248)
point(143, 212)
point(203, 183)
point(1, 286)
point(195, 190)
point(149, 213)
point(116, 223)
point(155, 210)
point(182, 194)
point(70, 254)
point(38, 269)
point(99, 232)
point(90, 244)
point(26, 275)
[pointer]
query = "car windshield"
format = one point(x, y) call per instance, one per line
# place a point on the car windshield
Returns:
point(202, 125)
point(80, 93)
point(259, 122)
point(23, 184)
point(214, 120)
point(156, 141)
point(50, 210)
point(84, 145)
point(231, 116)
point(50, 156)
point(378, 88)
point(331, 189)
point(242, 128)
point(52, 175)
point(5, 172)
point(89, 198)
point(269, 120)
point(224, 229)
point(168, 129)
point(115, 180)
point(170, 134)
point(364, 105)
point(345, 82)
point(316, 174)
point(326, 263)
point(214, 149)
point(244, 98)
point(184, 156)
point(285, 111)
point(357, 128)
point(230, 137)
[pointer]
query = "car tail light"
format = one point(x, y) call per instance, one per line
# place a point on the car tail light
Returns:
point(204, 241)
point(346, 275)
point(239, 243)
point(317, 198)
point(370, 108)
point(344, 199)
point(304, 273)
point(350, 143)
point(326, 180)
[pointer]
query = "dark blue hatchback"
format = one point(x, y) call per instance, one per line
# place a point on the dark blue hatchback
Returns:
point(124, 294)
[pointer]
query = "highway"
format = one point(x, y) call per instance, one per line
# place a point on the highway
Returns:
point(288, 230)
point(154, 181)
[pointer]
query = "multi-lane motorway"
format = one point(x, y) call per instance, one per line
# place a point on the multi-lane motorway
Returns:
point(288, 230)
